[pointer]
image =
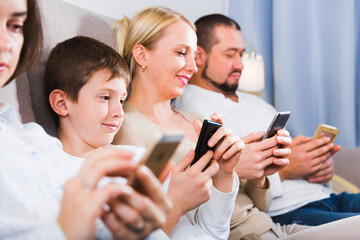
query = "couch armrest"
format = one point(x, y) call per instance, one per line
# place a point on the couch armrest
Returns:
point(347, 164)
point(340, 185)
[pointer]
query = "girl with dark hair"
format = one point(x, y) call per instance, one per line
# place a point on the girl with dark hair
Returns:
point(34, 168)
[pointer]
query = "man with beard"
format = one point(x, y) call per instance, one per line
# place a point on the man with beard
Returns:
point(301, 193)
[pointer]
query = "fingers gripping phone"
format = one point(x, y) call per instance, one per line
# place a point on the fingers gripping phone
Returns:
point(208, 128)
point(157, 157)
point(277, 123)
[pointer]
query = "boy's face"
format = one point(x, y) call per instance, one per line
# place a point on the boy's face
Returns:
point(98, 113)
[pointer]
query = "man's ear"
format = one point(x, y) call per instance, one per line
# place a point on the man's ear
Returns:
point(139, 53)
point(200, 57)
point(57, 100)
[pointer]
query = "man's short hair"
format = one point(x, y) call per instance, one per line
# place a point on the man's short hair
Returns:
point(205, 29)
point(73, 62)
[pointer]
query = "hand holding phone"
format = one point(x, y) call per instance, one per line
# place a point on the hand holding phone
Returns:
point(326, 130)
point(208, 128)
point(157, 157)
point(277, 123)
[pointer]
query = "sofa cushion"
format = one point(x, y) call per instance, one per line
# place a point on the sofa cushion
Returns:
point(62, 21)
point(347, 164)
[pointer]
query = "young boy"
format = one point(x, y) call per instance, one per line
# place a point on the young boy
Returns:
point(86, 81)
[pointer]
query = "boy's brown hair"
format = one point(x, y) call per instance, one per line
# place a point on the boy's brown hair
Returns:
point(72, 63)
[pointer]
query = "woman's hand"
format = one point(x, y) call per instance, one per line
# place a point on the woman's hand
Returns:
point(227, 145)
point(189, 187)
point(228, 149)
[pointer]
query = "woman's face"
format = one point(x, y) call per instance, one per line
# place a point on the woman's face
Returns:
point(171, 61)
point(12, 17)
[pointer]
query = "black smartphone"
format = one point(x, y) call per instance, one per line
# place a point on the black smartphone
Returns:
point(208, 128)
point(277, 123)
point(157, 157)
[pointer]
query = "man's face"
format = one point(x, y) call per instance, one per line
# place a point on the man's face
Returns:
point(223, 65)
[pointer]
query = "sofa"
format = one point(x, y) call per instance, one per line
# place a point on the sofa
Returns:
point(347, 165)
point(62, 21)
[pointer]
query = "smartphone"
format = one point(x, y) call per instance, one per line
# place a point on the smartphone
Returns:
point(326, 130)
point(277, 123)
point(208, 128)
point(157, 157)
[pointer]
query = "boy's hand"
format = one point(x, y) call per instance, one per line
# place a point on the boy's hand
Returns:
point(83, 201)
point(134, 216)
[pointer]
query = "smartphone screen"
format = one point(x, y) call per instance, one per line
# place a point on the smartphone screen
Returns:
point(157, 157)
point(208, 128)
point(277, 123)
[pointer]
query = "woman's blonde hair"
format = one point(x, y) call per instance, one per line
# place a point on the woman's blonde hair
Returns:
point(144, 28)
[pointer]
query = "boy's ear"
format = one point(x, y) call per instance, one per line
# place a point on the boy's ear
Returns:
point(200, 57)
point(139, 53)
point(57, 100)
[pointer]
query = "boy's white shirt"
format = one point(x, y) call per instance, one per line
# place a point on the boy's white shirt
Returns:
point(33, 172)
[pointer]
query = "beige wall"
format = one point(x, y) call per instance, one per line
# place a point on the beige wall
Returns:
point(192, 9)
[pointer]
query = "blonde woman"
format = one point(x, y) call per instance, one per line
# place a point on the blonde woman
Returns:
point(159, 46)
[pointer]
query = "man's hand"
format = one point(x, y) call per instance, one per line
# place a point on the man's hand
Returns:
point(324, 175)
point(308, 157)
point(263, 158)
